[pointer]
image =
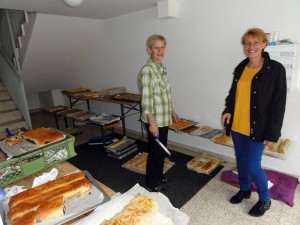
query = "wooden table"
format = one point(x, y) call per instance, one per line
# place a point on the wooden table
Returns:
point(64, 168)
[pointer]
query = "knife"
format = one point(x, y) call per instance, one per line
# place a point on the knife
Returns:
point(224, 129)
point(161, 145)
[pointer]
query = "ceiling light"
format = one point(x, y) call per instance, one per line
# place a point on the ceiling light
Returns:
point(73, 3)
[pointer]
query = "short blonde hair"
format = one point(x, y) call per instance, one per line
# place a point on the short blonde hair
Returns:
point(153, 38)
point(255, 32)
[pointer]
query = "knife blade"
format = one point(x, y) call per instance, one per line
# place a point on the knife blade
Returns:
point(162, 146)
point(224, 129)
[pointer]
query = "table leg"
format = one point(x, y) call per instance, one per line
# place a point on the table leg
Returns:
point(123, 119)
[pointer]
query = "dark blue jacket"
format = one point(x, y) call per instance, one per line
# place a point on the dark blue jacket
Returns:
point(267, 101)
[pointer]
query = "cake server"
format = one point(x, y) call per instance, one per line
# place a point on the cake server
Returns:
point(161, 145)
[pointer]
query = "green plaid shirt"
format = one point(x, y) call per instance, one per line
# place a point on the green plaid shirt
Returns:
point(156, 93)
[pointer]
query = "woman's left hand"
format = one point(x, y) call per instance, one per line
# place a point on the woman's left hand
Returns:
point(267, 143)
point(175, 117)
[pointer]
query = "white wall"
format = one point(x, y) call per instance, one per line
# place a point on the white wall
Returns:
point(56, 47)
point(203, 49)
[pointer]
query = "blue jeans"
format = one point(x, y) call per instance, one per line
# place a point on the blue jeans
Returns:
point(248, 157)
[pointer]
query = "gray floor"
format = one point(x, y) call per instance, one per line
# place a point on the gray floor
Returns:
point(210, 206)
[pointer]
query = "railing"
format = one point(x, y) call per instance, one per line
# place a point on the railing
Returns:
point(10, 72)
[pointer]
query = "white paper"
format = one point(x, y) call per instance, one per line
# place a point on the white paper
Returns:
point(11, 191)
point(45, 177)
point(270, 184)
point(167, 215)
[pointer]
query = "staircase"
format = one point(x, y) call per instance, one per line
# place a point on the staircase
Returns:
point(10, 117)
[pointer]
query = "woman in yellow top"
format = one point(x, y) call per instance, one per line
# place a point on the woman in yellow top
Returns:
point(254, 111)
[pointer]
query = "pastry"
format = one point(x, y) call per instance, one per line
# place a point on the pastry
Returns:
point(284, 145)
point(32, 204)
point(33, 192)
point(180, 125)
point(51, 209)
point(42, 136)
point(141, 210)
point(203, 163)
point(273, 146)
point(222, 138)
point(76, 91)
point(27, 219)
point(14, 140)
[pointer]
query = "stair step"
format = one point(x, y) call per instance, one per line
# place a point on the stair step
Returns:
point(2, 88)
point(4, 96)
point(6, 118)
point(14, 126)
point(7, 106)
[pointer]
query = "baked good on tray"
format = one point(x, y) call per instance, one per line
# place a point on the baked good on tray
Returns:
point(203, 163)
point(141, 210)
point(273, 146)
point(51, 209)
point(93, 94)
point(76, 91)
point(47, 200)
point(284, 145)
point(182, 124)
point(55, 108)
point(222, 138)
point(13, 140)
point(41, 136)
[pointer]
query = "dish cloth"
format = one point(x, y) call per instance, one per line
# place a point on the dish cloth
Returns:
point(283, 189)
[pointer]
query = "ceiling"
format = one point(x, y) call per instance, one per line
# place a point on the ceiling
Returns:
point(95, 9)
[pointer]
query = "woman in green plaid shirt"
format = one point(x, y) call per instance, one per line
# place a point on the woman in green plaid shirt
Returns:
point(157, 111)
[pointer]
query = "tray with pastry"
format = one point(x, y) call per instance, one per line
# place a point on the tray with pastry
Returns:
point(182, 124)
point(278, 149)
point(76, 91)
point(128, 97)
point(30, 140)
point(223, 139)
point(56, 202)
point(120, 145)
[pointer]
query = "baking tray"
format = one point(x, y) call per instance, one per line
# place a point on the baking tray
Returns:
point(128, 97)
point(121, 147)
point(123, 151)
point(211, 134)
point(192, 123)
point(75, 206)
point(24, 147)
point(228, 143)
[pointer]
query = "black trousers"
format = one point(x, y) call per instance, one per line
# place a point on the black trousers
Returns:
point(156, 156)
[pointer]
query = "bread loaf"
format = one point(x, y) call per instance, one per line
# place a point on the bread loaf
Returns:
point(272, 147)
point(51, 209)
point(282, 148)
point(72, 189)
point(33, 192)
point(28, 219)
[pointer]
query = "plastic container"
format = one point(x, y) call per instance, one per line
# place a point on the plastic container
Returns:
point(17, 168)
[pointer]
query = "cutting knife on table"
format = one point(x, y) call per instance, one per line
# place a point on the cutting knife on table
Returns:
point(161, 145)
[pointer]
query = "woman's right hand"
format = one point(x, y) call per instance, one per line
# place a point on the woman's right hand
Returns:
point(154, 130)
point(153, 127)
point(225, 118)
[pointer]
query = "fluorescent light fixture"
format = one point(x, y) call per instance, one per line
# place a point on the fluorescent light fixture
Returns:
point(73, 3)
